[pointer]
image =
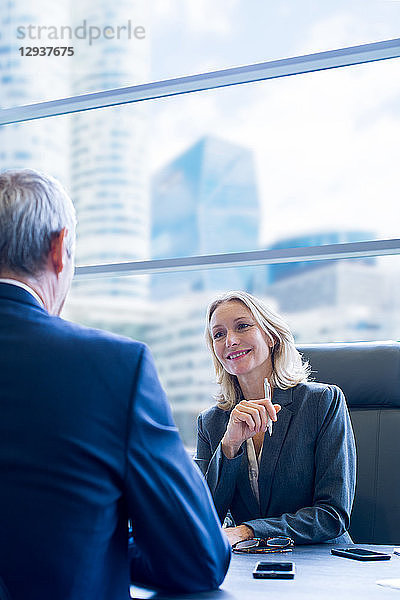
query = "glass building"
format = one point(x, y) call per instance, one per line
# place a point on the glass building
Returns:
point(205, 201)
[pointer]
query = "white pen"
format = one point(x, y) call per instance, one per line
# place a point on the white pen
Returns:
point(267, 395)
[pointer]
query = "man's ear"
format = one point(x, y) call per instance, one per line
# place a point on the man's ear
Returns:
point(57, 251)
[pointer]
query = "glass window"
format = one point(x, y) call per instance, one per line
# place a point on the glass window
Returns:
point(205, 35)
point(298, 161)
point(325, 301)
point(136, 42)
point(86, 48)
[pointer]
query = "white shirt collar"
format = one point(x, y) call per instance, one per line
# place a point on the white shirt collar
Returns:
point(25, 287)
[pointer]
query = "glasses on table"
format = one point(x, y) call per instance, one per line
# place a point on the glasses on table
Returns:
point(264, 545)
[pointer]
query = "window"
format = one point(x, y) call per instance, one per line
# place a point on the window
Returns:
point(326, 301)
point(294, 179)
point(149, 41)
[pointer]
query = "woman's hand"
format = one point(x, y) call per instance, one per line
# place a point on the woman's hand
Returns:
point(238, 534)
point(247, 419)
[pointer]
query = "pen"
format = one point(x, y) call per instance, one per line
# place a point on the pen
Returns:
point(267, 395)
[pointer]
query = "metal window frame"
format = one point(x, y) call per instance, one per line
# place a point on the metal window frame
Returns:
point(242, 259)
point(331, 59)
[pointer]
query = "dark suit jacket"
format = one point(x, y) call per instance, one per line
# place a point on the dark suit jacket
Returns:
point(307, 469)
point(86, 442)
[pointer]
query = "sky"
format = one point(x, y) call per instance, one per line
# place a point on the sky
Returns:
point(325, 144)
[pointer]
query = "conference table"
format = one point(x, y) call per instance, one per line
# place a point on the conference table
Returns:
point(319, 575)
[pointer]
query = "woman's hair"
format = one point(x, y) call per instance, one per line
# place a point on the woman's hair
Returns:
point(288, 369)
point(33, 208)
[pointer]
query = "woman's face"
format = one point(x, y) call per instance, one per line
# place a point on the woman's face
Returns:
point(240, 344)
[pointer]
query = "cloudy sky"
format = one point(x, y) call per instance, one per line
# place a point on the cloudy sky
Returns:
point(325, 144)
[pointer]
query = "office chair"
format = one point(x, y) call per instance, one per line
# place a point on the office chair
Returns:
point(369, 375)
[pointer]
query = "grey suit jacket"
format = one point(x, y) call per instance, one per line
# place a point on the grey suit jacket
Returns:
point(307, 468)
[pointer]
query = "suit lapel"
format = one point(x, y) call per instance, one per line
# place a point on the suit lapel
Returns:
point(272, 446)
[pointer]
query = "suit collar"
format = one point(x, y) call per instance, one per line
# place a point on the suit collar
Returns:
point(9, 291)
point(282, 397)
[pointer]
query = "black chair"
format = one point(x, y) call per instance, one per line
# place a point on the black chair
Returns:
point(369, 375)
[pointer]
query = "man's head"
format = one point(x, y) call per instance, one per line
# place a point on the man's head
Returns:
point(37, 233)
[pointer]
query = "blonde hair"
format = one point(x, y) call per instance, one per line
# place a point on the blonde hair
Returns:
point(288, 368)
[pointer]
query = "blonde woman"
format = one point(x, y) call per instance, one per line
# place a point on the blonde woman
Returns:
point(283, 465)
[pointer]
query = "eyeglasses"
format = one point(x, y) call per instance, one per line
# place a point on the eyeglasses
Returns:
point(264, 545)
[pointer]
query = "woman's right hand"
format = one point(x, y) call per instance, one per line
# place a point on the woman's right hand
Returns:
point(247, 418)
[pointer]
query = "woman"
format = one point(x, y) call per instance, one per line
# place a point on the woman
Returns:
point(298, 482)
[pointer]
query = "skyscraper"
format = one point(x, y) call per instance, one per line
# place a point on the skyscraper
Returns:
point(109, 172)
point(23, 80)
point(204, 202)
point(100, 156)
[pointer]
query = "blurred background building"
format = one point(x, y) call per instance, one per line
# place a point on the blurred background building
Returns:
point(205, 201)
point(22, 81)
point(282, 271)
point(108, 153)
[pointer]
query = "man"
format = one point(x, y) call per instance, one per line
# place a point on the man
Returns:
point(87, 440)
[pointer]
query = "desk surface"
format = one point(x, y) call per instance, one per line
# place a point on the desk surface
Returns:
point(319, 575)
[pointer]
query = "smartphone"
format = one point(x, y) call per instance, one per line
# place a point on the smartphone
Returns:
point(273, 570)
point(360, 554)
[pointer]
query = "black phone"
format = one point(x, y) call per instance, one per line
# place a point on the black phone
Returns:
point(360, 554)
point(273, 570)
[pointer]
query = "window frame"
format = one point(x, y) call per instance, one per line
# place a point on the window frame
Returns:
point(341, 57)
